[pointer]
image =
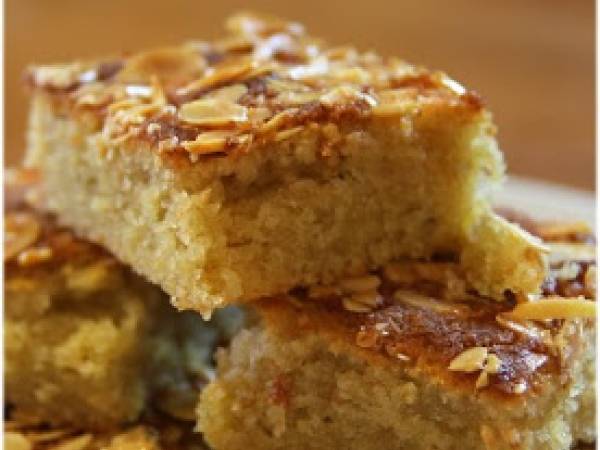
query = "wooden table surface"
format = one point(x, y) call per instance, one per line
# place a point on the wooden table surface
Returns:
point(533, 61)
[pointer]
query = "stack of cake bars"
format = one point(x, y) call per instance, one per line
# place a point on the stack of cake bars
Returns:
point(323, 217)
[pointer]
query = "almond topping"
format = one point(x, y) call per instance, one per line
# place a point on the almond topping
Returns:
point(212, 111)
point(470, 360)
point(230, 93)
point(354, 306)
point(76, 443)
point(555, 308)
point(208, 142)
point(33, 256)
point(21, 231)
point(219, 75)
point(422, 301)
point(360, 284)
point(590, 282)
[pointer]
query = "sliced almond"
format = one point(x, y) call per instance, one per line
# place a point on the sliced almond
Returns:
point(213, 112)
point(470, 360)
point(343, 94)
point(166, 63)
point(360, 284)
point(46, 436)
point(208, 142)
point(368, 298)
point(354, 306)
point(555, 308)
point(230, 93)
point(77, 443)
point(562, 251)
point(20, 231)
point(32, 256)
point(590, 281)
point(422, 301)
point(223, 73)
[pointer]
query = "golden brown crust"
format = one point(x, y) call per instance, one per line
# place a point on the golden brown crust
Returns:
point(264, 81)
point(423, 316)
point(33, 239)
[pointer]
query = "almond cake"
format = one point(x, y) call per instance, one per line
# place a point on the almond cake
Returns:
point(87, 343)
point(411, 358)
point(230, 170)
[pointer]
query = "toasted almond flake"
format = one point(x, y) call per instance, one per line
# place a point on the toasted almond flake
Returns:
point(89, 76)
point(555, 308)
point(235, 44)
point(208, 142)
point(360, 284)
point(276, 121)
point(567, 271)
point(153, 128)
point(258, 115)
point(165, 63)
point(525, 328)
point(212, 111)
point(168, 144)
point(77, 443)
point(20, 231)
point(519, 388)
point(297, 98)
point(221, 74)
point(590, 281)
point(470, 360)
point(493, 364)
point(482, 380)
point(318, 67)
point(562, 251)
point(230, 93)
point(134, 90)
point(355, 75)
point(560, 230)
point(341, 94)
point(392, 350)
point(286, 134)
point(57, 76)
point(422, 301)
point(369, 298)
point(280, 86)
point(451, 84)
point(33, 256)
point(16, 441)
point(353, 306)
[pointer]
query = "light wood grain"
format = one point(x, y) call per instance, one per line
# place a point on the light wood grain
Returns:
point(533, 60)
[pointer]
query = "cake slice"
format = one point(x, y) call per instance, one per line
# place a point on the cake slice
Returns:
point(410, 359)
point(87, 342)
point(244, 167)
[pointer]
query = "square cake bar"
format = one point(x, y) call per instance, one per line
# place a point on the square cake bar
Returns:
point(409, 359)
point(244, 167)
point(87, 343)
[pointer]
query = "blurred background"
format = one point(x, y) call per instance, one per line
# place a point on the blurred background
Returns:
point(533, 61)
